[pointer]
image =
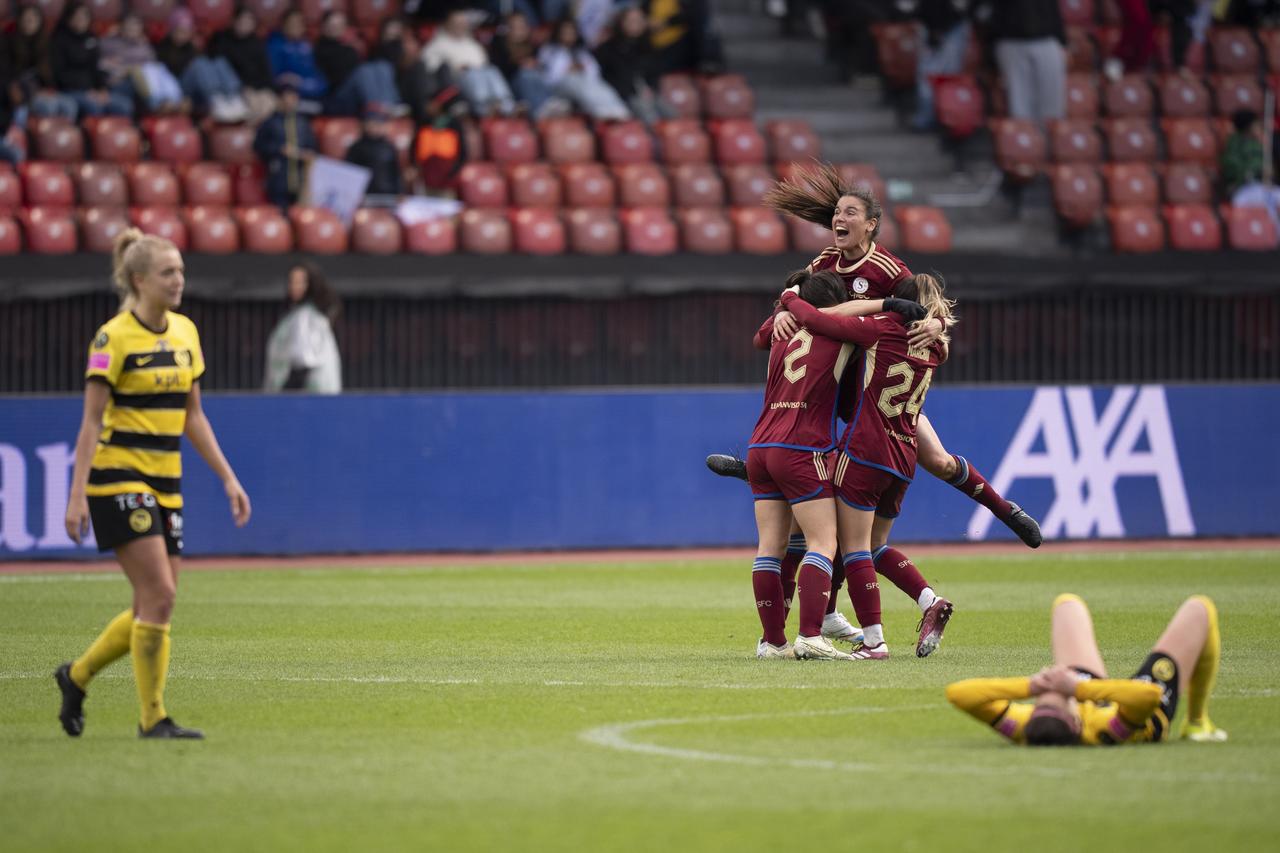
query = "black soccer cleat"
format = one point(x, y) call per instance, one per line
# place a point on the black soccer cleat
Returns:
point(727, 466)
point(167, 729)
point(1027, 528)
point(71, 715)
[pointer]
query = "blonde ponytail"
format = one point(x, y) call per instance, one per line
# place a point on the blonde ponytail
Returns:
point(131, 256)
point(930, 290)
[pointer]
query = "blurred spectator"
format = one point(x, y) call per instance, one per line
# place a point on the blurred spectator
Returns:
point(514, 53)
point(1241, 167)
point(498, 10)
point(629, 65)
point(27, 48)
point(73, 58)
point(211, 84)
point(246, 53)
point(455, 48)
point(684, 36)
point(573, 73)
point(440, 149)
point(416, 84)
point(302, 351)
point(293, 60)
point(12, 103)
point(286, 144)
point(593, 18)
point(374, 151)
point(944, 41)
point(129, 61)
point(1137, 40)
point(353, 84)
point(1031, 50)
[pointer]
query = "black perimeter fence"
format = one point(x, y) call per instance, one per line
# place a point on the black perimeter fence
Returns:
point(413, 323)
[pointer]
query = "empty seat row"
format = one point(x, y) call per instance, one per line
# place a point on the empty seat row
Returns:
point(1190, 227)
point(1079, 189)
point(42, 184)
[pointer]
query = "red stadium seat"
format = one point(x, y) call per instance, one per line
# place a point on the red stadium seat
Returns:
point(697, 185)
point(207, 184)
point(57, 140)
point(485, 232)
point(1082, 53)
point(625, 142)
point(370, 13)
point(1131, 184)
point(567, 140)
point(1183, 97)
point(249, 182)
point(594, 232)
point(232, 144)
point(534, 185)
point(1270, 38)
point(1250, 229)
point(792, 140)
point(10, 192)
point(897, 51)
point(49, 231)
point(1074, 141)
point(114, 139)
point(679, 92)
point(376, 231)
point(1237, 92)
point(683, 141)
point(1128, 97)
point(103, 12)
point(538, 231)
point(269, 12)
point(758, 231)
point(727, 96)
point(642, 185)
point(1077, 194)
point(152, 10)
point(318, 231)
point(1020, 147)
point(100, 185)
point(1233, 50)
point(162, 222)
point(924, 229)
point(175, 140)
point(1130, 140)
point(747, 182)
point(1187, 183)
point(510, 140)
point(1193, 228)
point(1135, 229)
point(265, 230)
point(482, 185)
point(1194, 61)
point(738, 141)
point(958, 105)
point(1077, 13)
point(211, 15)
point(705, 231)
point(99, 227)
point(808, 237)
point(432, 237)
point(1082, 96)
point(10, 236)
point(649, 231)
point(588, 185)
point(315, 10)
point(153, 184)
point(335, 134)
point(1190, 139)
point(212, 230)
point(46, 185)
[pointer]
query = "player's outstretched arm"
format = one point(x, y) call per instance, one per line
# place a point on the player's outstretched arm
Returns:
point(200, 433)
point(856, 330)
point(1135, 700)
point(987, 698)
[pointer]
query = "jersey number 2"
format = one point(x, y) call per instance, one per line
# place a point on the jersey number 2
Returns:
point(912, 404)
point(789, 369)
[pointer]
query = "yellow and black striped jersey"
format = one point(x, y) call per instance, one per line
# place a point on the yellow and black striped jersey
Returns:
point(150, 374)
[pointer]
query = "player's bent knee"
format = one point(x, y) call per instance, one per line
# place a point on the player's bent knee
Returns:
point(940, 464)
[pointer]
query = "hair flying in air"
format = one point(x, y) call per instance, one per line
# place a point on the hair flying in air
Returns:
point(930, 290)
point(813, 193)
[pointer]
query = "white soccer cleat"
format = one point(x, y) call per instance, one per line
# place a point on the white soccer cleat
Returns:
point(836, 627)
point(768, 651)
point(862, 651)
point(817, 648)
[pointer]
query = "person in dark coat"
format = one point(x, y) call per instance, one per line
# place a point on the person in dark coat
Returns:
point(374, 151)
point(74, 61)
point(286, 145)
point(628, 64)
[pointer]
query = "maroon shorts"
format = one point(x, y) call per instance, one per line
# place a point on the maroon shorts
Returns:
point(779, 473)
point(867, 488)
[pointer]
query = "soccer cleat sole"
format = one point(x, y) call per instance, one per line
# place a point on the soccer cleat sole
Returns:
point(1027, 528)
point(929, 644)
point(71, 714)
point(727, 466)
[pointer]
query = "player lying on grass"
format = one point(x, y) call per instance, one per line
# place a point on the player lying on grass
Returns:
point(877, 457)
point(788, 465)
point(1075, 702)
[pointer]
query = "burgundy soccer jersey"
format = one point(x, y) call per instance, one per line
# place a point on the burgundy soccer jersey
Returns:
point(801, 392)
point(873, 276)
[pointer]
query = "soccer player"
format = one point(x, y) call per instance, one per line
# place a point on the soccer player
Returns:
point(789, 472)
point(142, 394)
point(1075, 703)
point(877, 456)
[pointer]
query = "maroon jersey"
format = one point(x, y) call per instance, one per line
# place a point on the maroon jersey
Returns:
point(894, 379)
point(873, 276)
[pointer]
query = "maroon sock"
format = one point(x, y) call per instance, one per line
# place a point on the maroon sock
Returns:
point(837, 581)
point(970, 481)
point(900, 571)
point(864, 588)
point(813, 585)
point(790, 565)
point(770, 606)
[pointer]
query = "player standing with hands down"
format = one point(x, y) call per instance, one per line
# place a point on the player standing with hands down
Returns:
point(142, 394)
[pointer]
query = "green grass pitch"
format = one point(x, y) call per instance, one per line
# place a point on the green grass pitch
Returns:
point(618, 707)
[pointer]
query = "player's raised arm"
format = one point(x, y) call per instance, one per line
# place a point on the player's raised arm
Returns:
point(764, 336)
point(987, 698)
point(857, 330)
point(1135, 700)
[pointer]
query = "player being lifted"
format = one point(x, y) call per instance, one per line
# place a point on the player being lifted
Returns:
point(789, 469)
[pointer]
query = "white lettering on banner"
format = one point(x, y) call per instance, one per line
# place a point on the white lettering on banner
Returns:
point(13, 500)
point(57, 460)
point(1084, 473)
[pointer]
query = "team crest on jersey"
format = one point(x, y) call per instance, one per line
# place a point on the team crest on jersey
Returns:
point(101, 340)
point(140, 521)
point(182, 358)
point(860, 285)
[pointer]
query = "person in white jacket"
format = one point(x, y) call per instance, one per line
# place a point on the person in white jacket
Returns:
point(574, 74)
point(302, 352)
point(456, 48)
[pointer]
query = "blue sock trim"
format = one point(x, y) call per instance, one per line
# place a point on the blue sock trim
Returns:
point(767, 564)
point(797, 544)
point(963, 473)
point(854, 556)
point(875, 555)
point(813, 558)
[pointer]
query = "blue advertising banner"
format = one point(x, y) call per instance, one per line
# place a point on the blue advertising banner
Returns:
point(601, 469)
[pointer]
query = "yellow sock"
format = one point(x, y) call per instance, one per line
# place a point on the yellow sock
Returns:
point(1206, 672)
point(112, 644)
point(150, 667)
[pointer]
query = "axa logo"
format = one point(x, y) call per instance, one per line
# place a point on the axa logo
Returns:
point(1064, 438)
point(56, 461)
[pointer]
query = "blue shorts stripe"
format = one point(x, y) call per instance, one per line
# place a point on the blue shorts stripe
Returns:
point(815, 493)
point(848, 502)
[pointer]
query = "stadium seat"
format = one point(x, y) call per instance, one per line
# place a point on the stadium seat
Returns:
point(105, 13)
point(371, 13)
point(113, 139)
point(57, 140)
point(212, 230)
point(1187, 183)
point(46, 185)
point(587, 185)
point(705, 231)
point(1074, 141)
point(1233, 50)
point(792, 140)
point(1130, 140)
point(747, 183)
point(99, 227)
point(1135, 229)
point(808, 237)
point(727, 96)
point(1020, 147)
point(594, 232)
point(269, 12)
point(335, 134)
point(697, 185)
point(1193, 228)
point(249, 182)
point(10, 192)
point(482, 185)
point(757, 231)
point(1250, 229)
point(510, 140)
point(432, 237)
point(232, 144)
point(534, 185)
point(642, 185)
point(1128, 97)
point(1077, 13)
point(485, 232)
point(174, 139)
point(49, 231)
point(958, 105)
point(683, 141)
point(1082, 53)
point(98, 185)
point(897, 52)
point(1077, 194)
point(1194, 61)
point(1131, 184)
point(538, 231)
point(265, 230)
point(738, 141)
point(318, 231)
point(567, 140)
point(924, 229)
point(376, 231)
point(211, 15)
point(1190, 139)
point(401, 133)
point(313, 11)
point(207, 184)
point(625, 142)
point(10, 235)
point(1082, 96)
point(1236, 92)
point(162, 222)
point(152, 10)
point(679, 92)
point(1270, 38)
point(153, 184)
point(1183, 97)
point(649, 231)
